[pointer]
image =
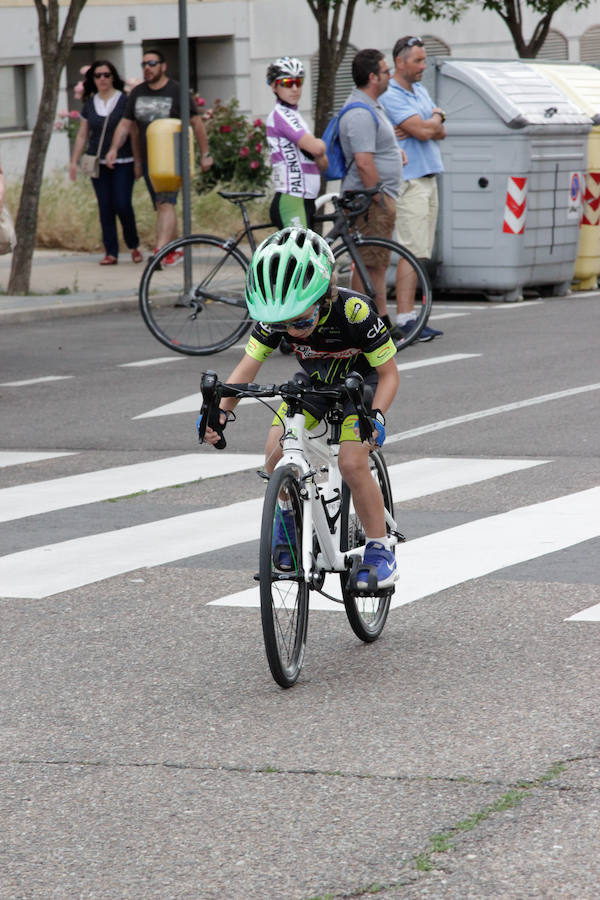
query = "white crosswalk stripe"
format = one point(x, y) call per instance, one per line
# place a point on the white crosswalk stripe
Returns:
point(50, 569)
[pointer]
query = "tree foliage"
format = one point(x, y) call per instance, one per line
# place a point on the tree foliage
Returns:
point(55, 47)
point(510, 11)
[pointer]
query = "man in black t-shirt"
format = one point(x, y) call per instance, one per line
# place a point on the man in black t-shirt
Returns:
point(157, 98)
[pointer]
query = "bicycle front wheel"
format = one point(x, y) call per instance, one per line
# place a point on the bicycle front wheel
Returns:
point(192, 295)
point(410, 278)
point(283, 591)
point(367, 614)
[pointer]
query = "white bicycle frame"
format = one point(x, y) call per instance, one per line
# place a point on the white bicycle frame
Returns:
point(315, 497)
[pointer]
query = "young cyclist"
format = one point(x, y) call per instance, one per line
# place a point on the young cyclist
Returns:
point(297, 157)
point(291, 292)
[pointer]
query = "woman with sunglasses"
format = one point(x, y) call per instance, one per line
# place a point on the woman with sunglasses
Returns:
point(104, 103)
point(297, 157)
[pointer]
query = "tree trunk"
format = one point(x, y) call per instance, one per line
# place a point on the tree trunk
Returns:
point(54, 55)
point(332, 48)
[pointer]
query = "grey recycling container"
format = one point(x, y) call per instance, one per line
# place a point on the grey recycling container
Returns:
point(511, 196)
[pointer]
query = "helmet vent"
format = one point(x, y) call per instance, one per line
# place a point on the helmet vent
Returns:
point(308, 275)
point(288, 275)
point(260, 275)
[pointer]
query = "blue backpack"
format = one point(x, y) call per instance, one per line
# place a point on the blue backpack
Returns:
point(337, 164)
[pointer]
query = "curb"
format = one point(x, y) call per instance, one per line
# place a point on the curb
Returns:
point(19, 310)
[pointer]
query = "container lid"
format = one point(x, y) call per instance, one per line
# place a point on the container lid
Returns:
point(579, 82)
point(518, 93)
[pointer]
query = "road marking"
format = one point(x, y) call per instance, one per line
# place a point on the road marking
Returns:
point(43, 571)
point(193, 402)
point(35, 380)
point(591, 614)
point(91, 487)
point(16, 458)
point(449, 315)
point(435, 361)
point(157, 361)
point(520, 304)
point(469, 307)
point(493, 411)
point(442, 560)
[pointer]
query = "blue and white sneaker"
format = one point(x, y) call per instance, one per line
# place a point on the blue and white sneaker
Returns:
point(284, 541)
point(383, 562)
point(428, 334)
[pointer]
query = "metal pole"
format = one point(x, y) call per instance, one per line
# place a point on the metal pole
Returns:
point(184, 85)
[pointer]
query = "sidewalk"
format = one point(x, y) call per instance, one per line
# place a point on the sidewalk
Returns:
point(64, 283)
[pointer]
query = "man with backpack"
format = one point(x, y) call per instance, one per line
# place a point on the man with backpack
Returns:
point(372, 158)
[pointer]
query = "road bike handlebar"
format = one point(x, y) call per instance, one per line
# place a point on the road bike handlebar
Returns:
point(293, 392)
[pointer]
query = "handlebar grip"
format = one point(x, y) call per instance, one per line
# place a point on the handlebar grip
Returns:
point(210, 408)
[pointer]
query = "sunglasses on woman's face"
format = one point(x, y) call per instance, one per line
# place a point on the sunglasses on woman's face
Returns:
point(296, 324)
point(102, 74)
point(289, 82)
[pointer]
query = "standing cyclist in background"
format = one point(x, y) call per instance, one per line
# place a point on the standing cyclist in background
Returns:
point(291, 292)
point(297, 157)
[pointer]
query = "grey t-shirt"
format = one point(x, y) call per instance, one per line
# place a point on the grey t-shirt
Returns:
point(359, 134)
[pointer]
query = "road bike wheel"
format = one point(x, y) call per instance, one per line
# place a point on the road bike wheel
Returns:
point(209, 313)
point(367, 614)
point(415, 273)
point(283, 591)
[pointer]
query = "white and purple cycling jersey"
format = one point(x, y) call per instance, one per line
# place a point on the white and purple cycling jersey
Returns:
point(292, 171)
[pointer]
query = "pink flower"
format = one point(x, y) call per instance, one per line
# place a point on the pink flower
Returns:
point(254, 164)
point(200, 101)
point(257, 123)
point(244, 151)
point(84, 69)
point(62, 113)
point(73, 114)
point(258, 147)
point(225, 129)
point(78, 90)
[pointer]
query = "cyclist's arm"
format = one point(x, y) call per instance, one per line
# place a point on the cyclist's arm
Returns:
point(246, 370)
point(389, 379)
point(317, 149)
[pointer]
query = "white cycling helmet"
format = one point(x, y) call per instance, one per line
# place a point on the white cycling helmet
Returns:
point(285, 67)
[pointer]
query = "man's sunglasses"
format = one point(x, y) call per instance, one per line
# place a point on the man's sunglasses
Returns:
point(296, 324)
point(150, 62)
point(289, 82)
point(411, 42)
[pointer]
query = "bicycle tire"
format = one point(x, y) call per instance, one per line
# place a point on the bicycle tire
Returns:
point(284, 595)
point(190, 322)
point(367, 614)
point(423, 290)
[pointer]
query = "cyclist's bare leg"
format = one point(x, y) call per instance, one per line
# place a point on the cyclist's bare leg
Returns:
point(406, 285)
point(166, 223)
point(377, 276)
point(273, 452)
point(366, 495)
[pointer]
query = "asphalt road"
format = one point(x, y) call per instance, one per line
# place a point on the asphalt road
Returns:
point(145, 751)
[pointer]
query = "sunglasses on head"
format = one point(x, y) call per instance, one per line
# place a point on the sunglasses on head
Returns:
point(410, 42)
point(102, 74)
point(150, 62)
point(296, 324)
point(289, 82)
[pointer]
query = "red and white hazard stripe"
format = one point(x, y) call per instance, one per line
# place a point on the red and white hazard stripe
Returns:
point(516, 205)
point(591, 200)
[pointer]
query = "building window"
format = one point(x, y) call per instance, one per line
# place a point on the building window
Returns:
point(13, 98)
point(435, 47)
point(589, 48)
point(555, 46)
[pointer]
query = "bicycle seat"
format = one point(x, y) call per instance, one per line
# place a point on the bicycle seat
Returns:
point(240, 195)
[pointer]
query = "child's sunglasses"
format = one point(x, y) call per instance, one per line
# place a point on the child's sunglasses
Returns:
point(289, 82)
point(296, 324)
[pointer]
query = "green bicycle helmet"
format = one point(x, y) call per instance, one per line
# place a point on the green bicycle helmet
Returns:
point(288, 273)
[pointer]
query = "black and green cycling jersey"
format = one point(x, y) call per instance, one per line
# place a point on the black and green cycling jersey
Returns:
point(350, 337)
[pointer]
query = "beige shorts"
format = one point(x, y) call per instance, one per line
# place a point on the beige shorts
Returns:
point(416, 215)
point(378, 221)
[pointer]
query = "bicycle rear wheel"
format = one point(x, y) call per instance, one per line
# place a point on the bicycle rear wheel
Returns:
point(412, 275)
point(283, 590)
point(367, 614)
point(192, 295)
